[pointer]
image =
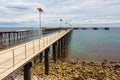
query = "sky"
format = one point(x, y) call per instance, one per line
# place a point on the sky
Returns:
point(24, 13)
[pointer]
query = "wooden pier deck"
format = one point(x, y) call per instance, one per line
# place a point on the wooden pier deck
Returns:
point(16, 57)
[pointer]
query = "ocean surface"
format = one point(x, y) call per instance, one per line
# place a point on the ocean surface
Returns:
point(95, 45)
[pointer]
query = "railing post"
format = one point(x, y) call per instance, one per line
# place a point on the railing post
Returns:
point(55, 36)
point(25, 52)
point(47, 40)
point(52, 37)
point(33, 47)
point(39, 44)
point(13, 58)
point(44, 42)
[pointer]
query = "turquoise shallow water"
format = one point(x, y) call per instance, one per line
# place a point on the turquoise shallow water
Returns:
point(95, 45)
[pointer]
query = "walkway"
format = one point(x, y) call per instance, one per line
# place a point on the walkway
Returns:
point(15, 57)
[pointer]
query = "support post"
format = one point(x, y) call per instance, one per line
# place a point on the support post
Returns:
point(47, 61)
point(9, 37)
point(17, 35)
point(54, 52)
point(27, 71)
point(20, 36)
point(1, 35)
point(41, 56)
point(14, 37)
point(59, 49)
point(65, 40)
point(61, 45)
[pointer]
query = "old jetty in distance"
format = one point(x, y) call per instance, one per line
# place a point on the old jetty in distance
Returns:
point(91, 28)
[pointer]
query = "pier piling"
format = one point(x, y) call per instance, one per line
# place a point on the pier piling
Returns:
point(1, 35)
point(9, 37)
point(27, 71)
point(59, 49)
point(41, 56)
point(47, 61)
point(62, 46)
point(54, 52)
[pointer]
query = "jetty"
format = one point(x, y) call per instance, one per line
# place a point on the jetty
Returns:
point(22, 55)
point(91, 28)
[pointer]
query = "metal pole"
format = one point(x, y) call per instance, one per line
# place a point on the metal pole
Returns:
point(13, 59)
point(25, 52)
point(39, 44)
point(33, 47)
point(61, 23)
point(40, 23)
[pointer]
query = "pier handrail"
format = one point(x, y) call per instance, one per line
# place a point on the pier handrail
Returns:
point(15, 57)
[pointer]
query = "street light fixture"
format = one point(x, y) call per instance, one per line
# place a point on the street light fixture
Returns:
point(40, 12)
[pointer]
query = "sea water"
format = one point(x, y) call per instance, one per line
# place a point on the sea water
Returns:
point(95, 45)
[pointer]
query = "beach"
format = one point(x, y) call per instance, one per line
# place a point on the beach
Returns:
point(78, 70)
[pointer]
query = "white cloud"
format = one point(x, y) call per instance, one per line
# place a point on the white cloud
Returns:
point(74, 11)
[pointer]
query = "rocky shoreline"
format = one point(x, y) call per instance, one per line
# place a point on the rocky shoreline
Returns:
point(78, 70)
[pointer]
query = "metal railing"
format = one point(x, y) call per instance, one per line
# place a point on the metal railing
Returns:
point(13, 58)
point(17, 40)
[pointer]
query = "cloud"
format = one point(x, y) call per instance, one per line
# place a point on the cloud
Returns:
point(74, 11)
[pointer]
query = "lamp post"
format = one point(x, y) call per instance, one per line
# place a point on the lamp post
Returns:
point(66, 24)
point(40, 12)
point(61, 23)
point(69, 25)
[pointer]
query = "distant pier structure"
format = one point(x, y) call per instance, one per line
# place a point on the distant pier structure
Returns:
point(9, 37)
point(91, 28)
